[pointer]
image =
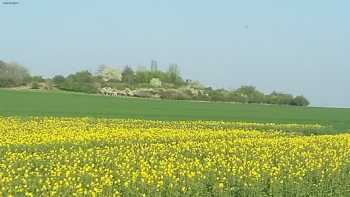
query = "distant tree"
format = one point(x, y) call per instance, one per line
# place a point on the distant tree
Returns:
point(300, 101)
point(233, 96)
point(108, 73)
point(173, 72)
point(163, 76)
point(38, 79)
point(246, 90)
point(128, 75)
point(142, 75)
point(173, 85)
point(174, 94)
point(58, 79)
point(196, 84)
point(154, 66)
point(251, 93)
point(279, 98)
point(13, 74)
point(218, 95)
point(35, 81)
point(141, 69)
point(173, 75)
point(82, 76)
point(156, 82)
point(82, 81)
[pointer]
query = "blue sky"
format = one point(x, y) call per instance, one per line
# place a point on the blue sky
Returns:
point(300, 47)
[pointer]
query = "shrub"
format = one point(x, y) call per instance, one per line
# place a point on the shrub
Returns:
point(146, 93)
point(35, 85)
point(174, 94)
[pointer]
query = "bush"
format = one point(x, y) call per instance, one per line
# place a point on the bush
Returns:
point(35, 85)
point(174, 94)
point(146, 93)
point(168, 85)
point(117, 85)
point(142, 85)
point(201, 97)
point(219, 95)
point(80, 87)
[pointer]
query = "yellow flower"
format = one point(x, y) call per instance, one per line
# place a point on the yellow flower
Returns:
point(221, 185)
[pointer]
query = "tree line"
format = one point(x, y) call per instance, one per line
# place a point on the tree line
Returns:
point(167, 84)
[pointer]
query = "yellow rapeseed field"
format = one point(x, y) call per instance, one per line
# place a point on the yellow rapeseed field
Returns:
point(101, 157)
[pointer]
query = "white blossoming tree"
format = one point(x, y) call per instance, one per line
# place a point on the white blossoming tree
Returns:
point(156, 82)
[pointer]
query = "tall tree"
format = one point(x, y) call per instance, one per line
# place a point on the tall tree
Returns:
point(174, 73)
point(13, 74)
point(154, 66)
point(300, 101)
point(108, 73)
point(128, 75)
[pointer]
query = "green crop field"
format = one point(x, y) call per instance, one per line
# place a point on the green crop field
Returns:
point(31, 103)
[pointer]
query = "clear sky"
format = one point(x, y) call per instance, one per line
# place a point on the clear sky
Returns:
point(296, 46)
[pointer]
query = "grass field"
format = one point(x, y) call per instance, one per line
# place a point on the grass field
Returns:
point(29, 103)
